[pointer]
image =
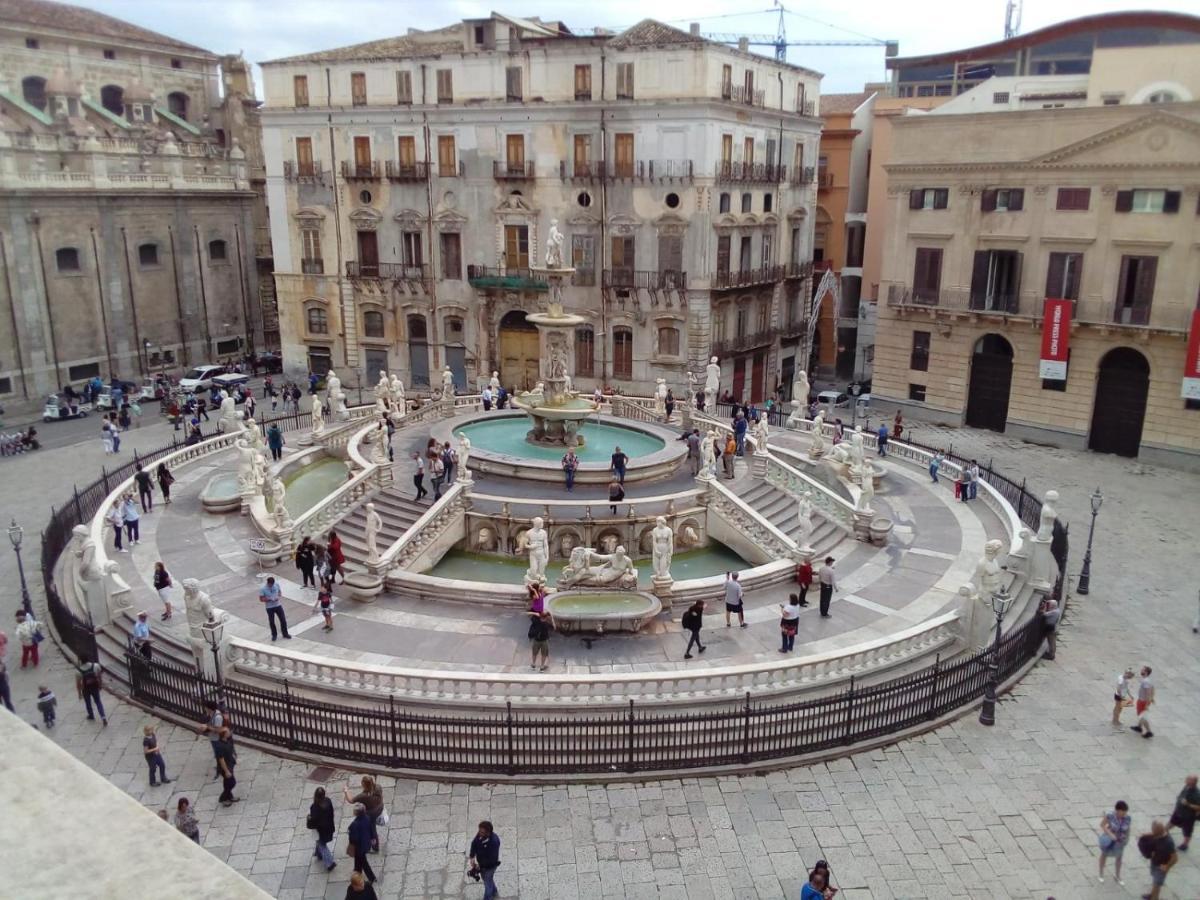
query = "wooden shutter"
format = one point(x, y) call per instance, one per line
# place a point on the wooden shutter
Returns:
point(623, 146)
point(726, 150)
point(1143, 289)
point(916, 198)
point(408, 151)
point(445, 86)
point(624, 81)
point(514, 151)
point(362, 153)
point(516, 246)
point(404, 87)
point(304, 156)
point(300, 89)
point(1124, 201)
point(723, 253)
point(622, 253)
point(1013, 300)
point(1171, 201)
point(512, 83)
point(1056, 272)
point(583, 82)
point(358, 88)
point(941, 198)
point(670, 253)
point(745, 254)
point(1016, 199)
point(979, 279)
point(748, 151)
point(927, 274)
point(726, 82)
point(987, 201)
point(447, 164)
point(451, 255)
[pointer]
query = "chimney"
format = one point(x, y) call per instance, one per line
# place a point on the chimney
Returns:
point(694, 29)
point(744, 44)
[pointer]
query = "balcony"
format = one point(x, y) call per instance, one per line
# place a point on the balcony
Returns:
point(745, 342)
point(798, 270)
point(581, 171)
point(392, 271)
point(752, 97)
point(670, 169)
point(458, 170)
point(312, 266)
point(502, 170)
point(303, 172)
point(356, 171)
point(742, 278)
point(806, 107)
point(508, 278)
point(824, 180)
point(633, 280)
point(628, 170)
point(805, 175)
point(755, 173)
point(414, 171)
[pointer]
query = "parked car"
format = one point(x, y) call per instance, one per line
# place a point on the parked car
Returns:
point(200, 378)
point(828, 401)
point(229, 381)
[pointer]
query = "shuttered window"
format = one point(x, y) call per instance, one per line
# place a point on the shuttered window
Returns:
point(583, 153)
point(1063, 275)
point(404, 87)
point(625, 81)
point(723, 243)
point(358, 88)
point(445, 86)
point(512, 84)
point(583, 82)
point(623, 155)
point(304, 156)
point(929, 198)
point(516, 246)
point(407, 146)
point(300, 89)
point(927, 274)
point(585, 352)
point(451, 247)
point(726, 82)
point(622, 353)
point(1074, 198)
point(1002, 200)
point(447, 159)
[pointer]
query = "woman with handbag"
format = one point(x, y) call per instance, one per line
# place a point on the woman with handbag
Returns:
point(1114, 835)
point(320, 820)
point(372, 799)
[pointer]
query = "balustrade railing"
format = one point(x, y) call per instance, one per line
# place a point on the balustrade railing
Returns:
point(793, 481)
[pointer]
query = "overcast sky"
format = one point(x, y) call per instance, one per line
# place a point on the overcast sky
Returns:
point(268, 29)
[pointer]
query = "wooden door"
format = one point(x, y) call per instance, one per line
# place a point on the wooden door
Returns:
point(990, 384)
point(368, 254)
point(739, 379)
point(514, 152)
point(519, 357)
point(362, 153)
point(1119, 410)
point(623, 155)
point(622, 260)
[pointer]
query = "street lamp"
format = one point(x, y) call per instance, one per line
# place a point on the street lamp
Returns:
point(15, 534)
point(987, 714)
point(1085, 576)
point(213, 631)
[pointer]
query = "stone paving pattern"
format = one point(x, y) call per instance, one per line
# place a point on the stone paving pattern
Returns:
point(960, 812)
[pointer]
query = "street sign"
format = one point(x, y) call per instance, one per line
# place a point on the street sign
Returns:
point(258, 545)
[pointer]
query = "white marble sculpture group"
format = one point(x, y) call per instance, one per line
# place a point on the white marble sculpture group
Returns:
point(712, 383)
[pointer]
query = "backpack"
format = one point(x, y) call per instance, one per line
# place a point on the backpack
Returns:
point(1147, 844)
point(91, 678)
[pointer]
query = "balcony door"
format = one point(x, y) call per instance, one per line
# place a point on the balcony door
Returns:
point(622, 260)
point(514, 152)
point(368, 254)
point(362, 155)
point(516, 246)
point(1135, 290)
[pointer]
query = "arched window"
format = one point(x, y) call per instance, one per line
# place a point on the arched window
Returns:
point(585, 352)
point(373, 324)
point(216, 251)
point(66, 259)
point(177, 104)
point(724, 203)
point(668, 340)
point(33, 89)
point(623, 353)
point(318, 321)
point(112, 98)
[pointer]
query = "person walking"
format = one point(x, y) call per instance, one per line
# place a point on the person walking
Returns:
point(419, 476)
point(129, 512)
point(47, 705)
point(1051, 616)
point(1187, 806)
point(670, 404)
point(87, 686)
point(619, 463)
point(165, 480)
point(28, 634)
point(973, 469)
point(740, 427)
point(1145, 699)
point(570, 463)
point(616, 493)
point(371, 797)
point(360, 840)
point(116, 520)
point(271, 597)
point(324, 604)
point(935, 464)
point(882, 439)
point(217, 722)
point(693, 451)
point(485, 857)
point(320, 820)
point(789, 622)
point(359, 888)
point(1159, 848)
point(828, 583)
point(804, 578)
point(106, 438)
point(1114, 835)
point(449, 463)
point(185, 820)
point(227, 765)
point(5, 690)
point(153, 754)
point(539, 639)
point(1122, 696)
point(275, 441)
point(306, 561)
point(692, 621)
point(337, 558)
point(437, 474)
point(145, 487)
point(163, 585)
point(733, 600)
point(141, 635)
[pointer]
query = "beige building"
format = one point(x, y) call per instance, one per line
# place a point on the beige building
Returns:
point(129, 227)
point(412, 182)
point(1075, 187)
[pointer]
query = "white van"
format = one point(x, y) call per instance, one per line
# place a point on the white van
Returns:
point(828, 401)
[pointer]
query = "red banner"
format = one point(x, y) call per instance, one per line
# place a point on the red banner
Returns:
point(1191, 366)
point(1056, 328)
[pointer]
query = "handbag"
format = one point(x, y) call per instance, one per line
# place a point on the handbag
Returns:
point(383, 817)
point(310, 823)
point(38, 637)
point(351, 850)
point(1107, 842)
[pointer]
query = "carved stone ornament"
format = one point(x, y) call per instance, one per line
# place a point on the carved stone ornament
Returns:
point(365, 219)
point(410, 219)
point(583, 221)
point(623, 225)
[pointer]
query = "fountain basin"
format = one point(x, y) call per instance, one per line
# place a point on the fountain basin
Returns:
point(592, 610)
point(221, 494)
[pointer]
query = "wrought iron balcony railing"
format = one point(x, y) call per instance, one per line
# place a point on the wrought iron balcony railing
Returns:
point(302, 172)
point(798, 270)
point(504, 170)
point(414, 171)
point(355, 171)
point(637, 279)
point(739, 278)
point(745, 342)
point(758, 173)
point(751, 97)
point(670, 169)
point(394, 271)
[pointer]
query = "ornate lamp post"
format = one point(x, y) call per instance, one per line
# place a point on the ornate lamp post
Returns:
point(987, 714)
point(213, 632)
point(1085, 576)
point(15, 534)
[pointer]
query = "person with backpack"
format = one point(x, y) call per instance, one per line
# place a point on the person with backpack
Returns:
point(275, 442)
point(449, 462)
point(539, 638)
point(1158, 847)
point(165, 480)
point(324, 604)
point(693, 621)
point(29, 635)
point(87, 685)
point(306, 561)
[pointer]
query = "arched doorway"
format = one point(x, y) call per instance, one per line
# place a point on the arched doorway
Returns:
point(991, 379)
point(112, 98)
point(519, 352)
point(418, 351)
point(1120, 406)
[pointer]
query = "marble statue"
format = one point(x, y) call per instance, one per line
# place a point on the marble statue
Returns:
point(805, 525)
point(374, 523)
point(975, 618)
point(318, 416)
point(816, 443)
point(988, 572)
point(335, 398)
point(608, 543)
point(554, 247)
point(566, 543)
point(379, 445)
point(688, 537)
point(230, 420)
point(855, 456)
point(495, 382)
point(712, 383)
point(587, 568)
point(199, 609)
point(248, 460)
point(279, 512)
point(568, 383)
point(865, 496)
point(92, 574)
point(447, 383)
point(800, 391)
point(663, 548)
point(708, 456)
point(558, 364)
point(660, 398)
point(761, 434)
point(383, 389)
point(464, 456)
point(396, 390)
point(258, 468)
point(538, 543)
point(1046, 523)
point(485, 540)
point(255, 434)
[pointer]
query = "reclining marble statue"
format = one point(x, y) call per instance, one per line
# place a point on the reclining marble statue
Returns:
point(587, 568)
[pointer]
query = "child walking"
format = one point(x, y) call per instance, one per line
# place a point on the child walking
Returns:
point(153, 754)
point(46, 704)
point(325, 603)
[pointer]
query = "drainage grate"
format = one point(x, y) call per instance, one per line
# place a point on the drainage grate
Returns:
point(321, 774)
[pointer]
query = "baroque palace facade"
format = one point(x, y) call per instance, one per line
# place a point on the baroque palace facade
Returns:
point(412, 181)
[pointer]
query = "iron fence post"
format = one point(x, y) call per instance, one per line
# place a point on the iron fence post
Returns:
point(395, 735)
point(849, 712)
point(291, 726)
point(933, 694)
point(78, 508)
point(512, 763)
point(629, 763)
point(104, 478)
point(746, 730)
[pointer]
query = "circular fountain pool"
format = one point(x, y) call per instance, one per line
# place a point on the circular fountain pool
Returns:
point(506, 436)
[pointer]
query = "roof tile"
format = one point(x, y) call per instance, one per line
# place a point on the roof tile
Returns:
point(65, 17)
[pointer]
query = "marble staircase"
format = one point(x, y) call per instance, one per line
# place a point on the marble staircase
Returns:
point(779, 508)
point(398, 511)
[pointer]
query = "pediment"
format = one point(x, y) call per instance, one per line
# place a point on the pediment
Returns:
point(410, 217)
point(365, 218)
point(798, 213)
point(310, 214)
point(671, 223)
point(583, 220)
point(515, 204)
point(450, 220)
point(1155, 139)
point(622, 224)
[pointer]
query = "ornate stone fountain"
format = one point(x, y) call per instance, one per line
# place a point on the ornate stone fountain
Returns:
point(556, 411)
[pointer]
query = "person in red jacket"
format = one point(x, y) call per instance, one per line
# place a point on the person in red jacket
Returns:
point(337, 559)
point(804, 577)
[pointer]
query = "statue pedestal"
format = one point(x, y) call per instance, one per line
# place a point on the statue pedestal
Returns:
point(364, 586)
point(975, 618)
point(1043, 570)
point(862, 524)
point(661, 587)
point(710, 402)
point(98, 597)
point(815, 453)
point(704, 476)
point(758, 464)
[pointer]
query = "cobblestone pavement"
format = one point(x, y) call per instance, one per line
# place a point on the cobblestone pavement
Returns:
point(961, 812)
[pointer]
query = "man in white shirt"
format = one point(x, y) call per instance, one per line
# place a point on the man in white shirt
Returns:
point(1145, 699)
point(1122, 696)
point(733, 600)
point(825, 576)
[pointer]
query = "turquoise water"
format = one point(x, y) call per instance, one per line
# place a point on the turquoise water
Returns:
point(593, 604)
point(508, 436)
point(716, 559)
point(311, 484)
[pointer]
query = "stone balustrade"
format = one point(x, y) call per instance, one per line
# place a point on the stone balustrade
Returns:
point(795, 482)
point(439, 528)
point(745, 530)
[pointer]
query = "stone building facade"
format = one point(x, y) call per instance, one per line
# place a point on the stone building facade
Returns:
point(412, 182)
point(127, 214)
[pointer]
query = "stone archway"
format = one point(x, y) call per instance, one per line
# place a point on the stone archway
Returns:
point(519, 351)
point(1119, 410)
point(990, 384)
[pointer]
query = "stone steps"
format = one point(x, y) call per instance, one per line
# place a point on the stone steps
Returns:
point(398, 512)
point(779, 508)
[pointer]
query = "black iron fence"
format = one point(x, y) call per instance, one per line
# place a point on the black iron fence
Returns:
point(631, 740)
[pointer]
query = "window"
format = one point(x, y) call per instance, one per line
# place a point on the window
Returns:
point(358, 88)
point(723, 245)
point(451, 252)
point(514, 152)
point(1000, 97)
point(66, 260)
point(583, 82)
point(83, 372)
point(585, 352)
point(300, 89)
point(110, 54)
point(404, 88)
point(927, 275)
point(762, 317)
point(916, 392)
point(744, 254)
point(622, 353)
point(768, 240)
point(748, 152)
point(668, 340)
point(748, 82)
point(177, 104)
point(723, 202)
point(741, 323)
point(919, 358)
point(768, 202)
point(406, 150)
point(516, 246)
point(583, 258)
point(796, 245)
point(447, 157)
point(364, 197)
point(1002, 200)
point(479, 35)
point(176, 64)
point(148, 254)
point(362, 155)
point(112, 98)
point(454, 330)
point(726, 82)
point(1135, 289)
point(929, 198)
point(623, 258)
point(6, 386)
point(33, 90)
point(373, 324)
point(584, 199)
point(310, 243)
point(31, 43)
point(672, 200)
point(625, 81)
point(318, 321)
point(1147, 201)
point(320, 360)
point(445, 86)
point(798, 163)
point(512, 84)
point(726, 152)
point(304, 157)
point(623, 162)
point(1063, 275)
point(670, 255)
point(216, 251)
point(1076, 199)
point(747, 202)
point(410, 248)
point(583, 154)
point(996, 280)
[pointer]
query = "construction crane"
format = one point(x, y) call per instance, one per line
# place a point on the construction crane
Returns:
point(780, 42)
